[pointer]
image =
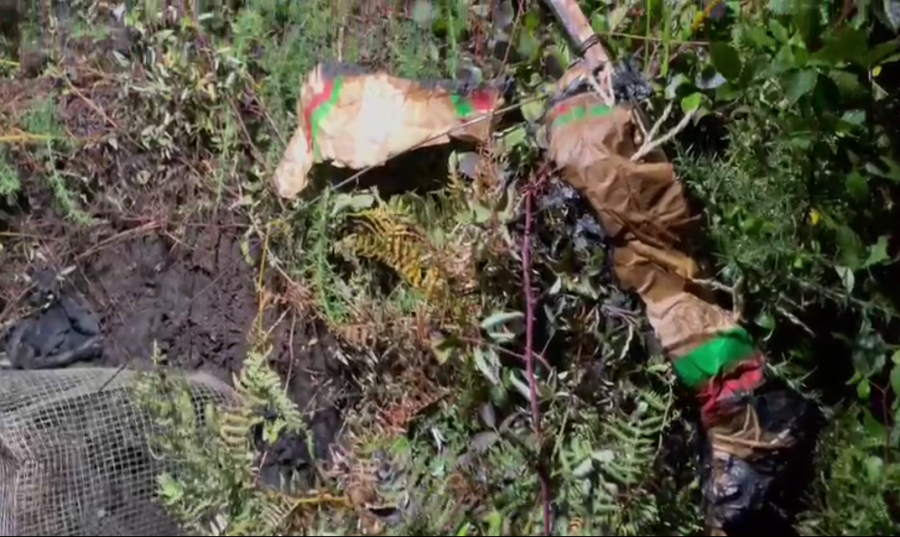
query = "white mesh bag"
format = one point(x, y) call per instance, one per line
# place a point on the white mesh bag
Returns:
point(74, 453)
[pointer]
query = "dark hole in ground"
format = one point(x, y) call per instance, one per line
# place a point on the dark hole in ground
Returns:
point(189, 290)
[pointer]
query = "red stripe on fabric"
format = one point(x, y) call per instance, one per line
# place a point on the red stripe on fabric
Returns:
point(318, 100)
point(559, 110)
point(743, 378)
point(482, 100)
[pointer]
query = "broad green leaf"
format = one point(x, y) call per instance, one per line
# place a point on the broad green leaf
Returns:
point(758, 35)
point(895, 358)
point(355, 202)
point(783, 62)
point(171, 491)
point(874, 468)
point(857, 186)
point(890, 59)
point(501, 317)
point(726, 60)
point(895, 379)
point(617, 16)
point(527, 45)
point(487, 364)
point(779, 31)
point(674, 83)
point(728, 92)
point(864, 389)
point(495, 523)
point(691, 102)
point(801, 57)
point(849, 247)
point(847, 277)
point(799, 83)
point(892, 172)
point(848, 83)
point(533, 110)
point(765, 320)
point(881, 51)
point(873, 426)
point(878, 252)
point(854, 117)
point(846, 44)
point(513, 137)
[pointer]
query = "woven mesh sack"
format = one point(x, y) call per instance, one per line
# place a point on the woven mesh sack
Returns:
point(74, 453)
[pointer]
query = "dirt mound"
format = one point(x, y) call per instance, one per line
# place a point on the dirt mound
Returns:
point(194, 297)
point(153, 254)
point(190, 291)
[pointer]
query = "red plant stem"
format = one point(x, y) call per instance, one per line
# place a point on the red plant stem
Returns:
point(529, 352)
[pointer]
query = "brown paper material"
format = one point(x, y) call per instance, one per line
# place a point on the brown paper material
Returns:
point(643, 209)
point(356, 119)
point(645, 213)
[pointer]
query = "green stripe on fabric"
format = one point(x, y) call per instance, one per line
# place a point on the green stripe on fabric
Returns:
point(320, 113)
point(579, 113)
point(463, 105)
point(711, 358)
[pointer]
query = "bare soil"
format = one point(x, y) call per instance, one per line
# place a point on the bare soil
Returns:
point(161, 262)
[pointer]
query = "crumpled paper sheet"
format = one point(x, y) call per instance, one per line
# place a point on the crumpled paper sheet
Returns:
point(644, 211)
point(355, 119)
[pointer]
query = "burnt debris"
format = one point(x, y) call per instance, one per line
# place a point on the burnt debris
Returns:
point(60, 330)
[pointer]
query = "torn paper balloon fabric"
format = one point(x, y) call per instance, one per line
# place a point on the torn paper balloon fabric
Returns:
point(644, 212)
point(356, 119)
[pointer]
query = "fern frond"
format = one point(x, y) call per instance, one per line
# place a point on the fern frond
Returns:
point(277, 513)
point(609, 468)
point(260, 395)
point(386, 235)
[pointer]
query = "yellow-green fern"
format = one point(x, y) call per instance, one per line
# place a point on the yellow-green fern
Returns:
point(386, 235)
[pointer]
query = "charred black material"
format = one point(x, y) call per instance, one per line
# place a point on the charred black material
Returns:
point(761, 491)
point(630, 83)
point(62, 330)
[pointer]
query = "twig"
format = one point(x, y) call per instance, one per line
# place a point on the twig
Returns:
point(290, 372)
point(794, 319)
point(240, 120)
point(667, 111)
point(149, 226)
point(603, 86)
point(94, 106)
point(512, 31)
point(324, 498)
point(26, 137)
point(529, 350)
point(650, 144)
point(653, 38)
point(499, 348)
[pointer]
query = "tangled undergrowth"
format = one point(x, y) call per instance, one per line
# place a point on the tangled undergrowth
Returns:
point(425, 281)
